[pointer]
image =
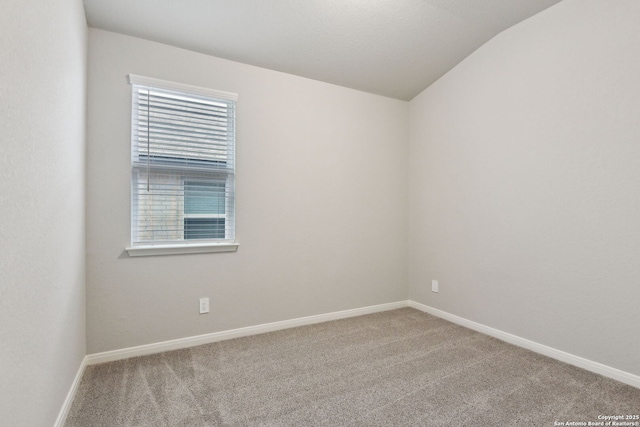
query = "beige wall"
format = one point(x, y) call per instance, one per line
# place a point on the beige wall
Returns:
point(320, 211)
point(42, 250)
point(525, 183)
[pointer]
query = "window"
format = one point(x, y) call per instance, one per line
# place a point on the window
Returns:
point(182, 168)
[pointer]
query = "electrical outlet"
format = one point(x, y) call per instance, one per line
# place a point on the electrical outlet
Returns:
point(434, 286)
point(204, 305)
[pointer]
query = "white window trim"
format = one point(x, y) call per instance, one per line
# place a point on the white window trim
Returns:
point(180, 87)
point(182, 248)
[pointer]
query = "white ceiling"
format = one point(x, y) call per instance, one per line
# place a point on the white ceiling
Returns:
point(394, 48)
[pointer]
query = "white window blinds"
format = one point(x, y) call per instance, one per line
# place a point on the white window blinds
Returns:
point(182, 163)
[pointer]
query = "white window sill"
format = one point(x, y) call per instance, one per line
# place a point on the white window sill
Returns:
point(195, 248)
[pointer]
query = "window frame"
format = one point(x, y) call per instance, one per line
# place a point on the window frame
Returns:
point(167, 247)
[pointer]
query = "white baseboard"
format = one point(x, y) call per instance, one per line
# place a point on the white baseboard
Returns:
point(589, 365)
point(125, 353)
point(64, 411)
point(142, 350)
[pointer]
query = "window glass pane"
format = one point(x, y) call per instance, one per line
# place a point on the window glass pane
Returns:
point(204, 198)
point(158, 211)
point(204, 228)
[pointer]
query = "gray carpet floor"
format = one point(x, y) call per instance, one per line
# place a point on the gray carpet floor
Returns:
point(396, 368)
